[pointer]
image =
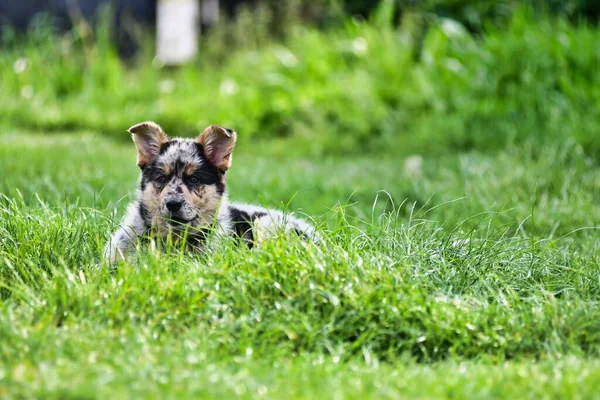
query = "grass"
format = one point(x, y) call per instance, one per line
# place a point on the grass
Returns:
point(453, 179)
point(477, 282)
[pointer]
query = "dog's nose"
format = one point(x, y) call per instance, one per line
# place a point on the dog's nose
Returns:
point(174, 205)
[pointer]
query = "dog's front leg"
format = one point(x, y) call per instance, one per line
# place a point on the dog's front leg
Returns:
point(125, 238)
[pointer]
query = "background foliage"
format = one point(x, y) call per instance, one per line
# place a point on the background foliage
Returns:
point(532, 78)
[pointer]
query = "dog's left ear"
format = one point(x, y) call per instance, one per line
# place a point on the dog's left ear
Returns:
point(148, 138)
point(218, 144)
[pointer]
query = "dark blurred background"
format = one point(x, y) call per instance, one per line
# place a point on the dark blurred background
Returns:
point(471, 13)
point(322, 13)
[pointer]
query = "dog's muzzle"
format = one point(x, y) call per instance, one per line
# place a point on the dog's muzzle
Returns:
point(177, 214)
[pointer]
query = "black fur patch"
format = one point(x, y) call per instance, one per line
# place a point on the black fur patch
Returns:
point(220, 187)
point(145, 216)
point(165, 146)
point(153, 173)
point(206, 174)
point(242, 225)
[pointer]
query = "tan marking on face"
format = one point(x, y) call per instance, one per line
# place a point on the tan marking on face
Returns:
point(167, 169)
point(153, 200)
point(206, 199)
point(190, 169)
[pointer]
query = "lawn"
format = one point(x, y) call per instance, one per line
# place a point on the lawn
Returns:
point(468, 276)
point(460, 250)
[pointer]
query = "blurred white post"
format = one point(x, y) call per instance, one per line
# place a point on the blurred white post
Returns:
point(176, 30)
point(210, 12)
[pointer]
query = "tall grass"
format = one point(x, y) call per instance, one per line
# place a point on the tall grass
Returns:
point(389, 289)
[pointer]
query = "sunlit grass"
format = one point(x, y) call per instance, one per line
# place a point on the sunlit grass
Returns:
point(467, 272)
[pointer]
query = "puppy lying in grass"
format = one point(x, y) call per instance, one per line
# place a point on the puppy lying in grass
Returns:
point(182, 194)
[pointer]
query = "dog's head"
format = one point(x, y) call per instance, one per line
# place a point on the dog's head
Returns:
point(183, 180)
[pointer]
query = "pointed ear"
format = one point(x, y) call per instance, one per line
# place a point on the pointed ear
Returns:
point(218, 144)
point(148, 137)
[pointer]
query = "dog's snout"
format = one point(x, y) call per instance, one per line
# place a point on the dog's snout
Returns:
point(174, 205)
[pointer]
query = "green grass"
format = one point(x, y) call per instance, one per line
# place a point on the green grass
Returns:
point(476, 282)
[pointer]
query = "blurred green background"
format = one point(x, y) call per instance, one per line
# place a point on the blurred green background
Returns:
point(333, 77)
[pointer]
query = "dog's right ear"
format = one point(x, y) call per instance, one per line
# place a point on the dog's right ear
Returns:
point(148, 138)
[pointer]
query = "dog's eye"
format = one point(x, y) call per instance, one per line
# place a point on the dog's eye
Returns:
point(194, 180)
point(161, 179)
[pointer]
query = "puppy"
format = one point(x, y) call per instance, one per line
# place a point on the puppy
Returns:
point(182, 194)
